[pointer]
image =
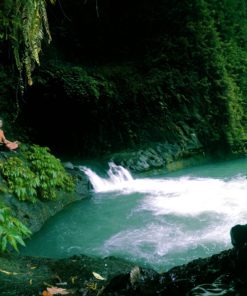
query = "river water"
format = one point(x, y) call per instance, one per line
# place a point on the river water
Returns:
point(157, 222)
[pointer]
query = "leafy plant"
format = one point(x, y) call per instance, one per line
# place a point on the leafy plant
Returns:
point(49, 171)
point(25, 25)
point(20, 180)
point(39, 175)
point(12, 231)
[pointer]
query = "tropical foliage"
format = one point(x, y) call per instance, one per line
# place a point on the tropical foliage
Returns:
point(20, 180)
point(49, 171)
point(24, 25)
point(177, 71)
point(12, 231)
point(34, 174)
point(38, 175)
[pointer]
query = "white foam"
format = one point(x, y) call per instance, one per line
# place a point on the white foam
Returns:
point(195, 196)
point(187, 213)
point(182, 196)
point(118, 178)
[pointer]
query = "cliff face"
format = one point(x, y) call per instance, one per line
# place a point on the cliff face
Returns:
point(120, 76)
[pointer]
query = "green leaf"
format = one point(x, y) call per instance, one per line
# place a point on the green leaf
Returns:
point(4, 243)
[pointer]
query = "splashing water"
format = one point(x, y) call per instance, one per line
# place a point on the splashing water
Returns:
point(161, 222)
point(118, 177)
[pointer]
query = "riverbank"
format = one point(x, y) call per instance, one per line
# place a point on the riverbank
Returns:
point(81, 275)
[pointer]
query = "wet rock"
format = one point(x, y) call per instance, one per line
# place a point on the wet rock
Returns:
point(221, 286)
point(158, 156)
point(146, 282)
point(68, 165)
point(34, 215)
point(81, 180)
point(238, 235)
point(21, 276)
point(216, 275)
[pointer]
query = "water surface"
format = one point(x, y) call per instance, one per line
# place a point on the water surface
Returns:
point(158, 222)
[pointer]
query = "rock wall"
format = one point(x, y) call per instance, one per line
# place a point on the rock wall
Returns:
point(162, 156)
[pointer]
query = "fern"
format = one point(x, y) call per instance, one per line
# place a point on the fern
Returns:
point(25, 25)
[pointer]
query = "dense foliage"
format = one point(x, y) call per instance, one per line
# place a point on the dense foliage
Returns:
point(20, 180)
point(147, 72)
point(24, 25)
point(181, 70)
point(33, 174)
point(38, 175)
point(49, 171)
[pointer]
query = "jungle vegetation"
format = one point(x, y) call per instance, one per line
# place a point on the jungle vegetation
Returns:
point(30, 175)
point(122, 77)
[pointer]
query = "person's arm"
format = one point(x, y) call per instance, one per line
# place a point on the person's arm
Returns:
point(10, 145)
point(5, 141)
point(2, 137)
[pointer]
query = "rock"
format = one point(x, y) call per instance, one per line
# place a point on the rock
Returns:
point(21, 276)
point(238, 235)
point(68, 165)
point(221, 286)
point(159, 155)
point(215, 275)
point(34, 215)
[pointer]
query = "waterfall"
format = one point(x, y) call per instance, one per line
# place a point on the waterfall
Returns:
point(118, 178)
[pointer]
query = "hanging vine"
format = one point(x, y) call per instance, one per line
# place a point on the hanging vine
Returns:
point(24, 24)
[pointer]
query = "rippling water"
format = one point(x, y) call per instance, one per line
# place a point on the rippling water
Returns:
point(159, 222)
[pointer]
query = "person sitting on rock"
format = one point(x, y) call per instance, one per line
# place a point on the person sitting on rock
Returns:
point(8, 144)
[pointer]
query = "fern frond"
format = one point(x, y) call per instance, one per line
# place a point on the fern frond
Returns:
point(45, 19)
point(17, 59)
point(28, 67)
point(26, 29)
